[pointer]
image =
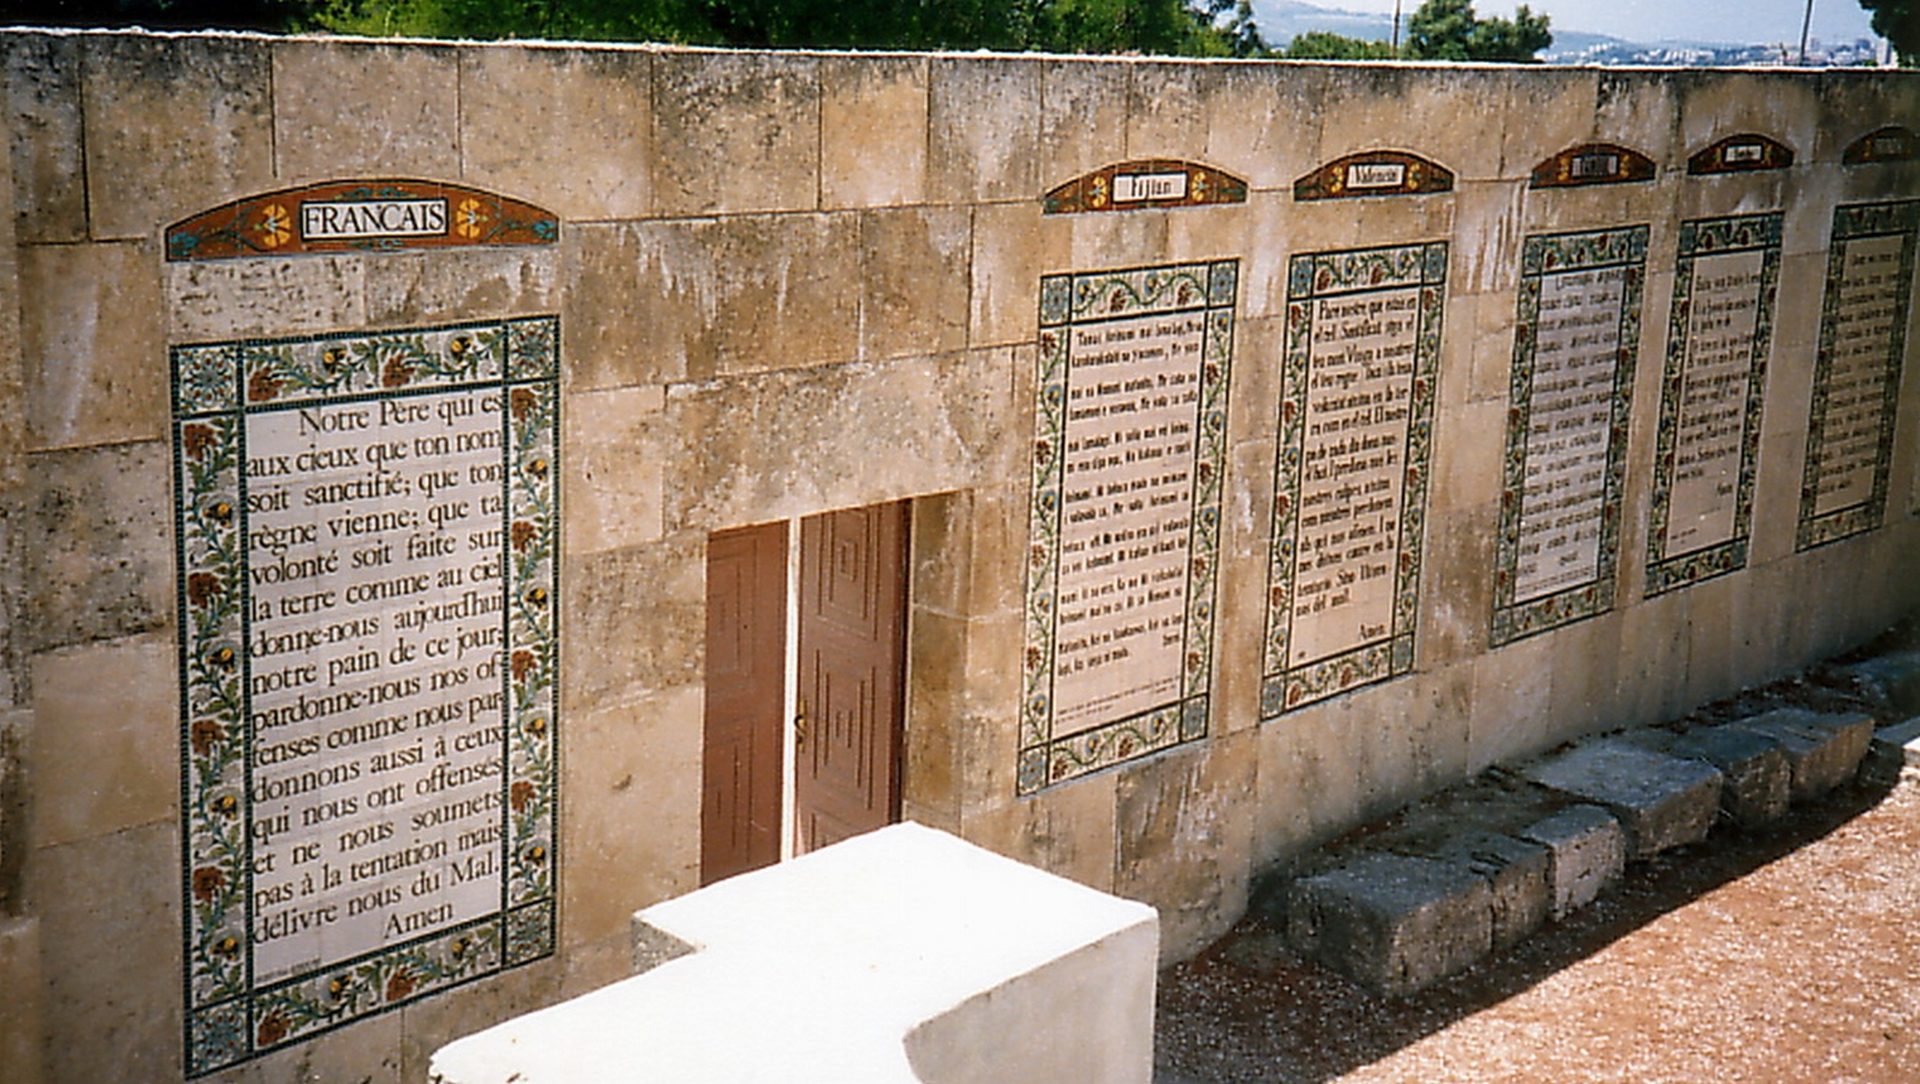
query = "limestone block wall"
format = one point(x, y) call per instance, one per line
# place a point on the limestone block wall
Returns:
point(792, 283)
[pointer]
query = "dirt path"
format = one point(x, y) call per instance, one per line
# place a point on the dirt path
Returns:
point(1784, 958)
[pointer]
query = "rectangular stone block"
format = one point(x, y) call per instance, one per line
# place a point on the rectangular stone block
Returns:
point(1520, 875)
point(522, 110)
point(1759, 778)
point(1588, 852)
point(1824, 750)
point(41, 87)
point(873, 131)
point(343, 107)
point(104, 744)
point(91, 344)
point(1390, 922)
point(1895, 751)
point(20, 1009)
point(1661, 801)
point(738, 132)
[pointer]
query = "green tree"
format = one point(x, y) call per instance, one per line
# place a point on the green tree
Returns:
point(1898, 21)
point(1448, 30)
point(1322, 45)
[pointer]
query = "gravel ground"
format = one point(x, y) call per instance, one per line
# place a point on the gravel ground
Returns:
point(1788, 956)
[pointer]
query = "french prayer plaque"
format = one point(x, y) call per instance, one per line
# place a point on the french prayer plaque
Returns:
point(1129, 453)
point(1856, 373)
point(1350, 472)
point(1710, 399)
point(367, 531)
point(1576, 335)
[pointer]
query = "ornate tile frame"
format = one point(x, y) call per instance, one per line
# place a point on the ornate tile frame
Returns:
point(1853, 221)
point(1209, 288)
point(1711, 237)
point(1542, 255)
point(1422, 265)
point(215, 386)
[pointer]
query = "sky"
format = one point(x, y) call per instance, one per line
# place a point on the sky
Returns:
point(1732, 21)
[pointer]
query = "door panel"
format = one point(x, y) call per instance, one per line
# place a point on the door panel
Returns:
point(745, 691)
point(852, 602)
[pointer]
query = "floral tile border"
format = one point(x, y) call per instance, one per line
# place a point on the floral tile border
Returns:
point(1067, 299)
point(1709, 237)
point(1852, 221)
point(229, 1018)
point(1344, 273)
point(1542, 255)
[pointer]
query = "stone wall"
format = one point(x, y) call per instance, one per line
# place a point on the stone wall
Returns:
point(790, 283)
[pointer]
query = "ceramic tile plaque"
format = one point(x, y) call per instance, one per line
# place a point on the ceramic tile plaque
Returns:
point(1575, 338)
point(367, 541)
point(1856, 373)
point(1130, 421)
point(387, 215)
point(1350, 473)
point(1711, 392)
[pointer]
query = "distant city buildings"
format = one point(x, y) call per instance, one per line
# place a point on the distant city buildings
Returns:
point(1856, 53)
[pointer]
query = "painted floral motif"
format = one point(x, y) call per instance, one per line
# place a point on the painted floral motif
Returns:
point(230, 1018)
point(1286, 685)
point(1851, 223)
point(1208, 290)
point(1744, 233)
point(275, 226)
point(1543, 255)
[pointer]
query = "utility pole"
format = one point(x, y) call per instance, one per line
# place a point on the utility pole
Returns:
point(1804, 25)
point(1396, 27)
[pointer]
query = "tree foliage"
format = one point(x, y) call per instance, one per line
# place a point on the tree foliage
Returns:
point(1322, 45)
point(1173, 27)
point(1898, 21)
point(1448, 30)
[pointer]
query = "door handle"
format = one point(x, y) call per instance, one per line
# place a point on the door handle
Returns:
point(800, 726)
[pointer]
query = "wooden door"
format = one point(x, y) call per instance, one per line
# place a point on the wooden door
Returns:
point(745, 685)
point(848, 724)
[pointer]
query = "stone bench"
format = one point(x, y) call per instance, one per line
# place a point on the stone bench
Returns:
point(903, 955)
point(1895, 752)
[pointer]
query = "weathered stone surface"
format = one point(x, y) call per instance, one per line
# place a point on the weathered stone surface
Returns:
point(102, 560)
point(1520, 875)
point(1890, 682)
point(873, 131)
point(1759, 777)
point(1391, 922)
point(350, 107)
point(983, 129)
point(42, 89)
point(229, 299)
point(1895, 751)
point(745, 133)
point(20, 1035)
point(522, 110)
point(1824, 750)
point(175, 126)
point(103, 745)
point(1662, 801)
point(91, 340)
point(1185, 828)
point(1588, 853)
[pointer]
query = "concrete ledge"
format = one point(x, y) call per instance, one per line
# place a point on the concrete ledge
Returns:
point(1824, 750)
point(1661, 801)
point(903, 955)
point(1587, 853)
point(1391, 922)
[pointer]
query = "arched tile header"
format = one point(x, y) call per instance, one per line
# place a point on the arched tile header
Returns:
point(386, 215)
point(1742, 153)
point(1374, 173)
point(1892, 143)
point(1141, 184)
point(1593, 163)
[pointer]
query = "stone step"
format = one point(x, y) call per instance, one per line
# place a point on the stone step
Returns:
point(1587, 852)
point(1392, 922)
point(1824, 750)
point(1758, 775)
point(1895, 751)
point(1661, 801)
